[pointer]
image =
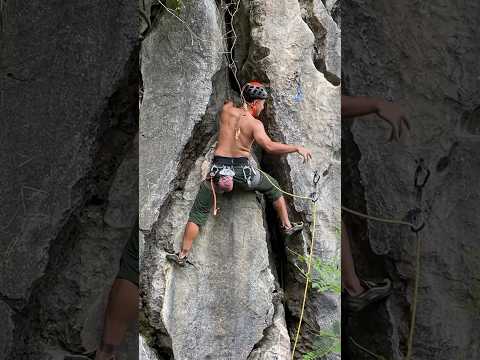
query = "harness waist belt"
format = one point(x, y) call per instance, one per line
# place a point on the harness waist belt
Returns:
point(232, 161)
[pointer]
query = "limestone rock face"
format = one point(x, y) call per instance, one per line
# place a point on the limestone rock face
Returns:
point(65, 77)
point(178, 65)
point(6, 339)
point(218, 306)
point(431, 71)
point(327, 49)
point(52, 153)
point(229, 304)
point(144, 351)
point(304, 110)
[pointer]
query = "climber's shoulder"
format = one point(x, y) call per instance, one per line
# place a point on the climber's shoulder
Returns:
point(228, 104)
point(229, 108)
point(255, 123)
point(256, 126)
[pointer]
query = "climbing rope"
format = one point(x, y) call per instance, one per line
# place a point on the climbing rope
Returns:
point(232, 65)
point(388, 221)
point(416, 230)
point(415, 297)
point(309, 263)
point(369, 352)
point(310, 256)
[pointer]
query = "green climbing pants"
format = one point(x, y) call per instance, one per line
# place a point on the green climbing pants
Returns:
point(129, 269)
point(246, 178)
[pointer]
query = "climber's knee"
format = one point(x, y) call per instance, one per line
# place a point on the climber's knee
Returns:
point(202, 205)
point(270, 188)
point(198, 218)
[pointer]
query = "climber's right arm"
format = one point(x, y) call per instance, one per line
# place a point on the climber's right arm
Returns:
point(274, 147)
point(392, 113)
point(268, 145)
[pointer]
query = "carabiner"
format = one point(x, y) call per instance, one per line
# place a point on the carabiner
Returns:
point(418, 229)
point(316, 177)
point(419, 169)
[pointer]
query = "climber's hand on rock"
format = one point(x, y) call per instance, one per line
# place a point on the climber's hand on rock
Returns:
point(393, 114)
point(306, 154)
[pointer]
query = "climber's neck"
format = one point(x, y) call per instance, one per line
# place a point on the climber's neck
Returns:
point(250, 109)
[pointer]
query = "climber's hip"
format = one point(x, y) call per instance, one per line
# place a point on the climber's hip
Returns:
point(228, 173)
point(244, 177)
point(230, 161)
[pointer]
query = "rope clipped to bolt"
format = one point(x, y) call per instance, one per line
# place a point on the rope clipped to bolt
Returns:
point(313, 198)
point(419, 185)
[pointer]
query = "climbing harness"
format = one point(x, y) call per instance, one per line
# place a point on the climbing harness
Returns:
point(223, 176)
point(225, 181)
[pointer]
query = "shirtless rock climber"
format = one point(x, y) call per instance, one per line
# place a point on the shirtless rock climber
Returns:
point(231, 167)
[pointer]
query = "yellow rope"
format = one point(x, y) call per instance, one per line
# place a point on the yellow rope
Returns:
point(283, 191)
point(371, 353)
point(375, 218)
point(309, 263)
point(417, 277)
point(388, 221)
point(309, 269)
point(414, 304)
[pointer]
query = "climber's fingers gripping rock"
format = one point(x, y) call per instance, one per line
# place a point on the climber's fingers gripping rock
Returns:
point(306, 154)
point(393, 114)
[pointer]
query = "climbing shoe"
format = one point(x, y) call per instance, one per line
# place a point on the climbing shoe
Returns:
point(177, 259)
point(292, 230)
point(374, 291)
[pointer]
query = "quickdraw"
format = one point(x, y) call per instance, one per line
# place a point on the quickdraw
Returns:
point(313, 199)
point(419, 185)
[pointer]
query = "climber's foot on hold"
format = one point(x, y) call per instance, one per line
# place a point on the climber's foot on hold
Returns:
point(178, 258)
point(374, 291)
point(295, 227)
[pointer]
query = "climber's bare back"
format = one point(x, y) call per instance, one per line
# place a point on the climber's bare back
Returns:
point(236, 132)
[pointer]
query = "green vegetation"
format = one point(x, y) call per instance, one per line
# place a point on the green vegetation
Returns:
point(175, 5)
point(327, 342)
point(325, 278)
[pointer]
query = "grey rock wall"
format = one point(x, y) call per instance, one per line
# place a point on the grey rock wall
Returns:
point(230, 304)
point(65, 75)
point(178, 66)
point(304, 110)
point(218, 307)
point(424, 58)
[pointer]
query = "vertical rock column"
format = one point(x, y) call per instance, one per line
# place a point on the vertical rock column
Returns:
point(61, 66)
point(178, 64)
point(220, 307)
point(426, 59)
point(304, 109)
